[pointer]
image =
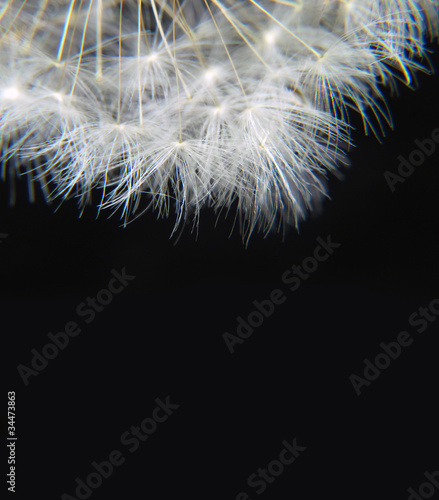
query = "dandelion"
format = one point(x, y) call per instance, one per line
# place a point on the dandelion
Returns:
point(183, 104)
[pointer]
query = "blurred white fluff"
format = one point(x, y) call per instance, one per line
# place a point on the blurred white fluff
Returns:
point(239, 105)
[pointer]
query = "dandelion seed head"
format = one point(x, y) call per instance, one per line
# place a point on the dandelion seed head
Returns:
point(193, 104)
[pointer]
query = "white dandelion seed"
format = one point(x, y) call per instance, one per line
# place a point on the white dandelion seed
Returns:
point(199, 103)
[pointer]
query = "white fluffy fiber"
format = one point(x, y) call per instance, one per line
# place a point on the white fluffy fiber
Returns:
point(191, 103)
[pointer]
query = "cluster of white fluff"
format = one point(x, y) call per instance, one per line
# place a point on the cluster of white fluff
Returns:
point(192, 103)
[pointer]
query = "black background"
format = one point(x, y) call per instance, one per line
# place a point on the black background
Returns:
point(163, 336)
